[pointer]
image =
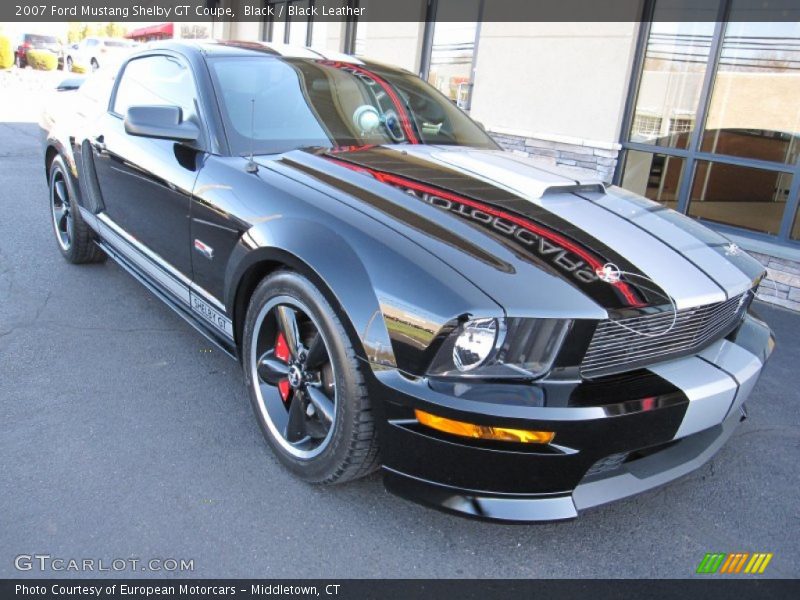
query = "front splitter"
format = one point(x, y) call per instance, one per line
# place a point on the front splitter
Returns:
point(510, 508)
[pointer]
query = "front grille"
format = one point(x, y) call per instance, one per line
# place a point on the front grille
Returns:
point(615, 348)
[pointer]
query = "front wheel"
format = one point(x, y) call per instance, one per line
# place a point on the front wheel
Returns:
point(69, 64)
point(306, 384)
point(18, 61)
point(95, 66)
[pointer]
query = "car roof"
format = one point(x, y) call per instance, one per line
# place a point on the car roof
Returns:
point(250, 48)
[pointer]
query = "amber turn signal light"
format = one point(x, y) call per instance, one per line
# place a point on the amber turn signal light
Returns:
point(484, 432)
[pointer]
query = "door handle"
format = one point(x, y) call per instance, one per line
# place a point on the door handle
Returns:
point(98, 144)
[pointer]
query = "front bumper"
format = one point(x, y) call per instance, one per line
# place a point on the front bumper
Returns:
point(601, 452)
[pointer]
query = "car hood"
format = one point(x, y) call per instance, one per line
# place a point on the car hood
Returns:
point(536, 237)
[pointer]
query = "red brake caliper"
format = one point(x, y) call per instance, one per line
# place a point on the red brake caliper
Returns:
point(282, 353)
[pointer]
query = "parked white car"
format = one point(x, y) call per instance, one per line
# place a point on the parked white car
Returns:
point(94, 52)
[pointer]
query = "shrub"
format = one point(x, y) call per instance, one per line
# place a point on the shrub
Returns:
point(42, 60)
point(77, 68)
point(6, 53)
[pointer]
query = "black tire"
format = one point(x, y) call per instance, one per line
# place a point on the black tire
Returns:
point(68, 64)
point(351, 449)
point(18, 62)
point(94, 65)
point(74, 238)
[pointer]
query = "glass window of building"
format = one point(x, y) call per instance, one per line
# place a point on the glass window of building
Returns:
point(681, 125)
point(756, 95)
point(647, 127)
point(364, 33)
point(796, 228)
point(453, 50)
point(286, 29)
point(298, 25)
point(742, 196)
point(675, 62)
point(714, 123)
point(656, 176)
point(326, 34)
point(360, 47)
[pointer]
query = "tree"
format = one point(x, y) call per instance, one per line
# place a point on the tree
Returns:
point(78, 31)
point(115, 30)
point(74, 32)
point(6, 53)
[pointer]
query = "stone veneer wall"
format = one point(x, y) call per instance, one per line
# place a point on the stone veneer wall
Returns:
point(599, 157)
point(782, 285)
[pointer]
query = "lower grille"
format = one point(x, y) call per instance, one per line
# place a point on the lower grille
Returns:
point(616, 346)
point(609, 463)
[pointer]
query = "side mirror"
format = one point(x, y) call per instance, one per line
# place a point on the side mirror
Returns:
point(162, 122)
point(70, 84)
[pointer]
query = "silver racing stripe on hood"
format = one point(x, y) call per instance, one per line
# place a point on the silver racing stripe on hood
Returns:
point(679, 276)
point(648, 215)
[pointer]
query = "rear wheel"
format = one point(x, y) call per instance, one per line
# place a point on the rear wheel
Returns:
point(69, 64)
point(306, 384)
point(18, 61)
point(95, 66)
point(73, 236)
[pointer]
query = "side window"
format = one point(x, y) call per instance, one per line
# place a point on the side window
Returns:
point(156, 80)
point(91, 43)
point(96, 89)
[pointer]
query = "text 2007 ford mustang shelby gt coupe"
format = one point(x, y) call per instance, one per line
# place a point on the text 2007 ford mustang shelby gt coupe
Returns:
point(505, 340)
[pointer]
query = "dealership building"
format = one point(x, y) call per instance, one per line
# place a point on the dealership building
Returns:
point(700, 115)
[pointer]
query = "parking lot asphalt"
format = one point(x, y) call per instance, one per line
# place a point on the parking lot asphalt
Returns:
point(123, 434)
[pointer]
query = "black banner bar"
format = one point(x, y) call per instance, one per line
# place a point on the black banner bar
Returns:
point(400, 589)
point(380, 10)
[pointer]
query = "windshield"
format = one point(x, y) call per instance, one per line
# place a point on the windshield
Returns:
point(276, 105)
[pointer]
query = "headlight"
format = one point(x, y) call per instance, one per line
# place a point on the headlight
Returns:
point(500, 348)
point(474, 344)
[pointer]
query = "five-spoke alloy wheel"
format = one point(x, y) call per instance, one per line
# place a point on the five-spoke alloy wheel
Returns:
point(305, 382)
point(296, 382)
point(61, 209)
point(74, 237)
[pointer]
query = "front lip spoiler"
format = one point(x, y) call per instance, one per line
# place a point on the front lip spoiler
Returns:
point(659, 468)
point(511, 508)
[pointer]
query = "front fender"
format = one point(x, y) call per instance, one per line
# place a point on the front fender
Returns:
point(321, 255)
point(397, 299)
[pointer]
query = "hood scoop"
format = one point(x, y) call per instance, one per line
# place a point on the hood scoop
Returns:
point(519, 175)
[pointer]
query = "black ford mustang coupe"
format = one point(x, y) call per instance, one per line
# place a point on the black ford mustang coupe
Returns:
point(503, 339)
